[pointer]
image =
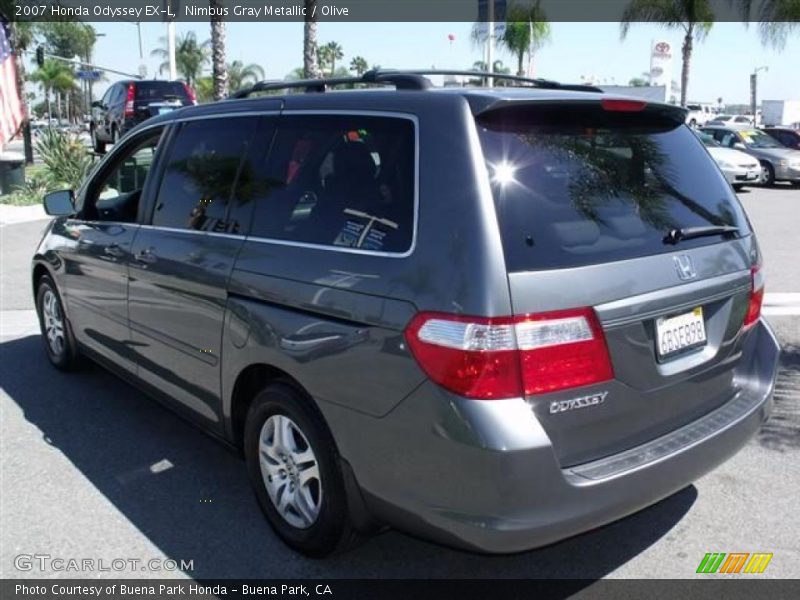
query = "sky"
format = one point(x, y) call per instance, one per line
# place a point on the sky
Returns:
point(720, 67)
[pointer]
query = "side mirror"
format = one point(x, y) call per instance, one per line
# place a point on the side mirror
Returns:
point(740, 146)
point(97, 104)
point(59, 204)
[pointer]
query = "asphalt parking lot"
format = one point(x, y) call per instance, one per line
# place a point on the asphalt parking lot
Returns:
point(90, 468)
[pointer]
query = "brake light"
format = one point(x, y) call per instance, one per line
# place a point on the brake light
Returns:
point(615, 105)
point(756, 297)
point(129, 100)
point(190, 93)
point(506, 357)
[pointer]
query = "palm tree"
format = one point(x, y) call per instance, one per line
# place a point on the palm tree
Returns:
point(240, 74)
point(53, 76)
point(310, 67)
point(360, 65)
point(526, 32)
point(190, 56)
point(694, 17)
point(296, 74)
point(204, 89)
point(218, 67)
point(777, 19)
point(329, 54)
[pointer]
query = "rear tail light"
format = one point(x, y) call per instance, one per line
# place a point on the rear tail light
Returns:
point(756, 297)
point(190, 93)
point(129, 100)
point(506, 357)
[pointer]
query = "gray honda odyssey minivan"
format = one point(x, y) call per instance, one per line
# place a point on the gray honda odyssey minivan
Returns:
point(494, 318)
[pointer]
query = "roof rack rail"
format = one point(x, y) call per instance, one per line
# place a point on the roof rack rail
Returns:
point(402, 79)
point(534, 82)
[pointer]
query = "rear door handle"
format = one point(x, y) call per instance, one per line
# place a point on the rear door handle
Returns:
point(147, 256)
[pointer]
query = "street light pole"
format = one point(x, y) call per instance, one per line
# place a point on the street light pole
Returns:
point(754, 92)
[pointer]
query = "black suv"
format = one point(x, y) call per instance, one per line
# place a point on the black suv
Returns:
point(127, 103)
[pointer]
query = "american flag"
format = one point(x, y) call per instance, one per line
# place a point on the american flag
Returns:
point(11, 113)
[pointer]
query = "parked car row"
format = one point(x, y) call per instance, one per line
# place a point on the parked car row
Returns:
point(778, 162)
point(738, 167)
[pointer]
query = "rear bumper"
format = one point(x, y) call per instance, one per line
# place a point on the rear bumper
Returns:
point(484, 475)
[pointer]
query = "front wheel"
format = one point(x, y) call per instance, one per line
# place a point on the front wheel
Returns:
point(295, 471)
point(59, 342)
point(737, 187)
point(98, 146)
point(767, 174)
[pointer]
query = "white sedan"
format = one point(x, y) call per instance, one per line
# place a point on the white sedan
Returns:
point(738, 167)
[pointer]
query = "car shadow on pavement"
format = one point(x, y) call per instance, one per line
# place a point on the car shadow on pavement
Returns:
point(190, 495)
point(782, 430)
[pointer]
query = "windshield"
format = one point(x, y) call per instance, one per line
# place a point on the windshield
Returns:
point(753, 138)
point(578, 185)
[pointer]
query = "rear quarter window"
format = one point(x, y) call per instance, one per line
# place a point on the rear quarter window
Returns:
point(346, 181)
point(576, 185)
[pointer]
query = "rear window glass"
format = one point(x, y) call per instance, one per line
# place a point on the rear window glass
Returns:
point(158, 90)
point(576, 186)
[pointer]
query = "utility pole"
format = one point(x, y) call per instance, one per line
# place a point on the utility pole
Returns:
point(490, 43)
point(169, 5)
point(754, 92)
point(173, 70)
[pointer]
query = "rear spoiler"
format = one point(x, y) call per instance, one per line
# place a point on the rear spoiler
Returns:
point(670, 112)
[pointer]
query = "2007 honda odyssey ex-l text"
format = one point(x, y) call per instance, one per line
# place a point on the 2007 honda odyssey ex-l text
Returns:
point(494, 318)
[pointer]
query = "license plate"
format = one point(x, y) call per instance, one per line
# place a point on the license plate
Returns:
point(165, 109)
point(681, 332)
point(752, 175)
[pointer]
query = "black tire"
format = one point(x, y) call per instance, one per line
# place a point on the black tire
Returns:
point(332, 530)
point(98, 146)
point(693, 123)
point(738, 187)
point(768, 174)
point(64, 356)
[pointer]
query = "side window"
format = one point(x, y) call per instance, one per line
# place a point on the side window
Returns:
point(114, 195)
point(108, 95)
point(344, 181)
point(728, 139)
point(197, 190)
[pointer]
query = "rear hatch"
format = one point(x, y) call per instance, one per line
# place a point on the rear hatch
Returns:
point(616, 206)
point(157, 97)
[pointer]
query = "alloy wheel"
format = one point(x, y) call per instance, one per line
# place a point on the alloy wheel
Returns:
point(53, 323)
point(290, 471)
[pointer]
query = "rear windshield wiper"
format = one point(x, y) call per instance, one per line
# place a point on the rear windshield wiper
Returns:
point(676, 235)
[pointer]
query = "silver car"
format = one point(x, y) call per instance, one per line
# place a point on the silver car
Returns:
point(738, 167)
point(778, 163)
